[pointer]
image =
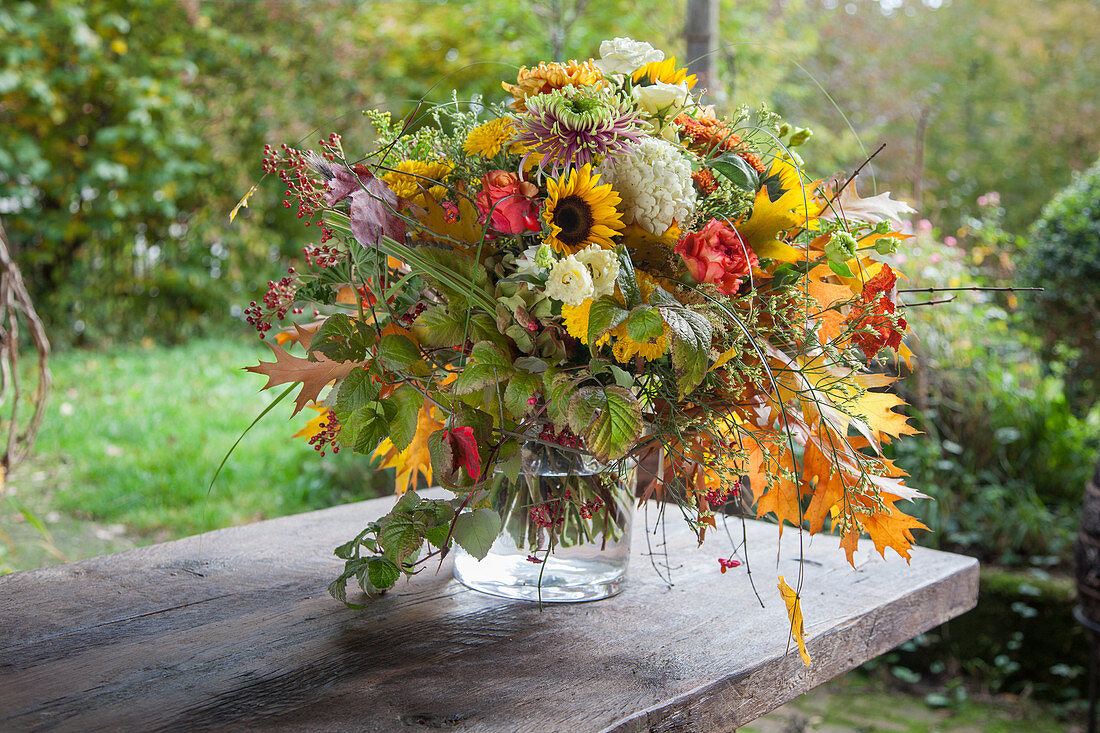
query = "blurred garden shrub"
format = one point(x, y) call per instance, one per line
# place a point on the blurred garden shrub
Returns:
point(128, 131)
point(1063, 257)
point(1003, 455)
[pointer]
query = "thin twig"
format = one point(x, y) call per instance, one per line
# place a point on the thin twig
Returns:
point(975, 288)
point(852, 177)
point(928, 302)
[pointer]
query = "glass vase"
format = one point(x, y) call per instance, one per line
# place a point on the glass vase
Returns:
point(566, 529)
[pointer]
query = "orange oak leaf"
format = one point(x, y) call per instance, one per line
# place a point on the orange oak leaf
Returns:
point(313, 375)
point(893, 528)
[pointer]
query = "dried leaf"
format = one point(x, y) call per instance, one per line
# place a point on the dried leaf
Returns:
point(313, 375)
point(794, 613)
point(242, 204)
point(874, 209)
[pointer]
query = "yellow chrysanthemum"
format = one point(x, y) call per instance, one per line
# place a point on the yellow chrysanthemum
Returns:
point(545, 78)
point(487, 140)
point(409, 176)
point(576, 321)
point(665, 71)
point(625, 348)
point(581, 212)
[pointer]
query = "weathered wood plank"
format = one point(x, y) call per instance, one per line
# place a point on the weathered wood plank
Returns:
point(234, 629)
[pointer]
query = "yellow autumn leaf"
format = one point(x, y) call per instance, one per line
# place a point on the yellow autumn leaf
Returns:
point(794, 612)
point(242, 204)
point(313, 427)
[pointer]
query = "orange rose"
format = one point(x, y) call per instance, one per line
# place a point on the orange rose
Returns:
point(717, 255)
point(509, 202)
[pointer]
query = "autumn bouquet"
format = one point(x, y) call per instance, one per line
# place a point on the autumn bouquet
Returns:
point(601, 273)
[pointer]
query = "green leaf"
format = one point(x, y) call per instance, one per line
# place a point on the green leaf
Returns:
point(488, 365)
point(558, 400)
point(439, 450)
point(609, 418)
point(476, 531)
point(627, 280)
point(622, 377)
point(436, 536)
point(690, 363)
point(402, 409)
point(365, 428)
point(644, 324)
point(521, 387)
point(439, 327)
point(692, 334)
point(342, 338)
point(841, 268)
point(606, 313)
point(737, 170)
point(397, 352)
point(401, 536)
point(479, 420)
point(382, 572)
point(356, 390)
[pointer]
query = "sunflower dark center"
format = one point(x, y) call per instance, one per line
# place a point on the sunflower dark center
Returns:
point(574, 216)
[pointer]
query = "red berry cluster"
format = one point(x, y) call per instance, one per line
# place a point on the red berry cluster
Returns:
point(728, 563)
point(718, 497)
point(566, 437)
point(296, 170)
point(322, 256)
point(277, 302)
point(591, 507)
point(413, 313)
point(548, 514)
point(330, 429)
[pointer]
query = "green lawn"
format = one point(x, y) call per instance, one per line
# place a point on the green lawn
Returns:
point(131, 440)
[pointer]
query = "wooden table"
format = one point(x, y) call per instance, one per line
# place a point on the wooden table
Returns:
point(234, 630)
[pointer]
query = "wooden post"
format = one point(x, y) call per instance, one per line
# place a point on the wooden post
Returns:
point(701, 35)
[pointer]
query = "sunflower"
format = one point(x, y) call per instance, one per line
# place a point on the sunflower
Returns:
point(488, 139)
point(580, 212)
point(665, 71)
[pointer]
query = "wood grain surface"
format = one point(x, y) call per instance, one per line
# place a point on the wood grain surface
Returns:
point(234, 630)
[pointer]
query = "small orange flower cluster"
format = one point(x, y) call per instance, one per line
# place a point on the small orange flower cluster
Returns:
point(708, 136)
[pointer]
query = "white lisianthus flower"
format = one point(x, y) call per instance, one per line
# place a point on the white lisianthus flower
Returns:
point(661, 99)
point(654, 181)
point(528, 264)
point(604, 267)
point(625, 56)
point(570, 282)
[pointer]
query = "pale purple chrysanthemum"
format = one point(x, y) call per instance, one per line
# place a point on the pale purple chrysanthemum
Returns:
point(573, 126)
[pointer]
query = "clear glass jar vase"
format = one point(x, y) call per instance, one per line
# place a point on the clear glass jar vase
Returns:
point(566, 529)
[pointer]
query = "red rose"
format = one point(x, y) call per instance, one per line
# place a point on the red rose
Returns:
point(511, 201)
point(717, 255)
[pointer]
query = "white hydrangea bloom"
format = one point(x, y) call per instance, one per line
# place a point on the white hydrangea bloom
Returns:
point(604, 267)
point(570, 282)
point(625, 55)
point(654, 180)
